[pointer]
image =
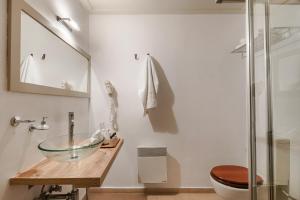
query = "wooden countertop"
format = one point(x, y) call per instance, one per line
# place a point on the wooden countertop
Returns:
point(88, 172)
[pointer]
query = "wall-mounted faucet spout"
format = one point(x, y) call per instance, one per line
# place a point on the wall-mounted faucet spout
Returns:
point(71, 128)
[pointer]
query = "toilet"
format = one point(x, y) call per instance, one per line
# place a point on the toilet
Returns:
point(231, 182)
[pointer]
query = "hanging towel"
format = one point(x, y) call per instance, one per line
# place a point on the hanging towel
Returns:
point(30, 72)
point(148, 85)
point(25, 68)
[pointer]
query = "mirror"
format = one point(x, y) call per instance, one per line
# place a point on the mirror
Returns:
point(41, 61)
point(49, 61)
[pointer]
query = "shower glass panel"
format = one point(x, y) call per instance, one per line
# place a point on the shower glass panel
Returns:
point(285, 70)
point(274, 77)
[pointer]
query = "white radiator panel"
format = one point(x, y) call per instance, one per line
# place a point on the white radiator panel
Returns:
point(152, 164)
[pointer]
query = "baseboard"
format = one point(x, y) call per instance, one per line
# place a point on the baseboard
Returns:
point(151, 190)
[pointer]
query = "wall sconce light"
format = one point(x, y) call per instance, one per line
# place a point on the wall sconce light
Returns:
point(68, 23)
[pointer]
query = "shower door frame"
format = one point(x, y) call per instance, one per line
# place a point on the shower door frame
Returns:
point(252, 105)
point(252, 114)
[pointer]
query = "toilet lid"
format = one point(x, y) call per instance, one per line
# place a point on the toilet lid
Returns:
point(234, 176)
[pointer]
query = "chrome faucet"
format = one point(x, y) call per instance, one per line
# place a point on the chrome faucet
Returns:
point(71, 128)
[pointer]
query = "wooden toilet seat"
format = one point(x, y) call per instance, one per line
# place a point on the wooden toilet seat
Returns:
point(233, 176)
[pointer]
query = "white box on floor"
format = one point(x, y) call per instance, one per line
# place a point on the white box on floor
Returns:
point(152, 164)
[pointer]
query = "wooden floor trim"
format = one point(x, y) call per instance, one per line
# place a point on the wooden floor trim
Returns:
point(151, 190)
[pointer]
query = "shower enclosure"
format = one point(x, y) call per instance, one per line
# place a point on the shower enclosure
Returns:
point(274, 92)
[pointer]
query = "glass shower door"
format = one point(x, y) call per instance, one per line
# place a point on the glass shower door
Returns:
point(274, 91)
point(285, 71)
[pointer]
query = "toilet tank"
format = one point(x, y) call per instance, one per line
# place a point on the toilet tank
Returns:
point(152, 164)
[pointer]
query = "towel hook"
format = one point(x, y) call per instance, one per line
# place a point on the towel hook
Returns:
point(136, 57)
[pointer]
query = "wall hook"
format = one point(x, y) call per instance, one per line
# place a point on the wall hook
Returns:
point(136, 57)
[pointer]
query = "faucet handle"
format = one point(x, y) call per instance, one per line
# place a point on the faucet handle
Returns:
point(44, 120)
point(41, 127)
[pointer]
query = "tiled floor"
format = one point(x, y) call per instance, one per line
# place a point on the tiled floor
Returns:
point(141, 196)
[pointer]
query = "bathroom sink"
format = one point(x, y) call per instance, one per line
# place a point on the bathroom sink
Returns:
point(64, 148)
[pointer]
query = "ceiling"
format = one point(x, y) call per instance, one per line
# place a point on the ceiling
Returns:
point(160, 6)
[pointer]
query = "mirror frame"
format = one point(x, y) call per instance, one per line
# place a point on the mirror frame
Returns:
point(15, 7)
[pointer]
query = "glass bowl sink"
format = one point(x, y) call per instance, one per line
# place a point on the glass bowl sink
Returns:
point(62, 148)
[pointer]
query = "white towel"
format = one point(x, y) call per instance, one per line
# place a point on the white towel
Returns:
point(148, 85)
point(25, 68)
point(30, 72)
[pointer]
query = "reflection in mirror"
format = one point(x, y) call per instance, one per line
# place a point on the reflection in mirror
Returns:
point(46, 60)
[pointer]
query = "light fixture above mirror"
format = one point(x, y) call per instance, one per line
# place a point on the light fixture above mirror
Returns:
point(68, 23)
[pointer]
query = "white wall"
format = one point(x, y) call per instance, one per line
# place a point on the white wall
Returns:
point(202, 101)
point(18, 149)
point(285, 15)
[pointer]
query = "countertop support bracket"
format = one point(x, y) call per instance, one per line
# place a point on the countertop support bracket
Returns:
point(48, 194)
point(30, 186)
